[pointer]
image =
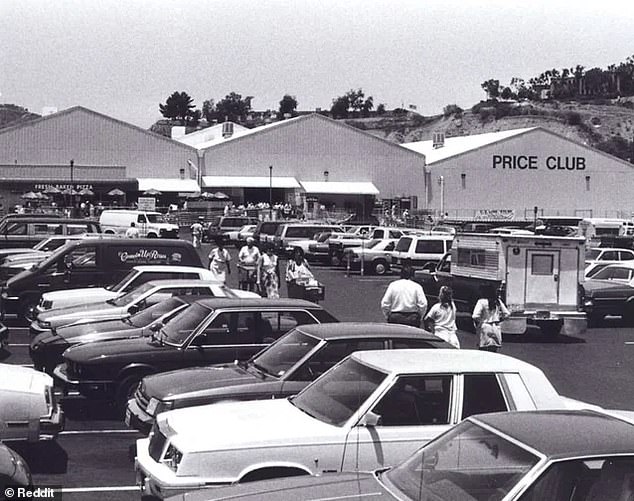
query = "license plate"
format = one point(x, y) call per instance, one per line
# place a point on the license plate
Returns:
point(128, 417)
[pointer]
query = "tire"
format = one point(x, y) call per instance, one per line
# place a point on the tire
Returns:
point(109, 232)
point(380, 267)
point(152, 235)
point(335, 260)
point(126, 389)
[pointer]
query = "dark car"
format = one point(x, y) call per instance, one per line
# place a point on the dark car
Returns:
point(28, 231)
point(222, 224)
point(512, 456)
point(14, 471)
point(280, 370)
point(91, 262)
point(610, 291)
point(209, 331)
point(46, 348)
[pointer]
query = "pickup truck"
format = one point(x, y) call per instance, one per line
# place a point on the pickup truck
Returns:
point(540, 278)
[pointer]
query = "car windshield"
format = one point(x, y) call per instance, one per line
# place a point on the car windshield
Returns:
point(147, 316)
point(132, 296)
point(322, 237)
point(592, 254)
point(119, 285)
point(178, 329)
point(468, 462)
point(372, 243)
point(286, 352)
point(155, 218)
point(338, 394)
point(403, 244)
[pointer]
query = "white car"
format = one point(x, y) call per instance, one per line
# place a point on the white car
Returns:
point(29, 408)
point(376, 255)
point(137, 276)
point(598, 258)
point(240, 235)
point(371, 410)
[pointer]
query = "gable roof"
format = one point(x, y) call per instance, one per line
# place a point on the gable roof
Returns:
point(208, 134)
point(294, 121)
point(461, 144)
point(81, 109)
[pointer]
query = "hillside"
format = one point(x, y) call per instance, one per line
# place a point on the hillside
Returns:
point(593, 124)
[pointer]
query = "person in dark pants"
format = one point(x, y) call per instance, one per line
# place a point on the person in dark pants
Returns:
point(404, 301)
point(297, 275)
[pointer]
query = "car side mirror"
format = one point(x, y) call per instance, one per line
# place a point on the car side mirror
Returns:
point(133, 309)
point(370, 420)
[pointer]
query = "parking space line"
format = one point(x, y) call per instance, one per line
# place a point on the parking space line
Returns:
point(99, 489)
point(19, 344)
point(96, 432)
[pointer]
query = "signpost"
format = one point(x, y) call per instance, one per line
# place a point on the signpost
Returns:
point(147, 204)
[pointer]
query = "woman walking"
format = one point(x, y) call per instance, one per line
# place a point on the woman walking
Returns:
point(488, 312)
point(220, 261)
point(268, 274)
point(297, 274)
point(441, 317)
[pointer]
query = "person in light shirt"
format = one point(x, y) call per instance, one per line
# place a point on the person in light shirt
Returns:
point(404, 301)
point(248, 258)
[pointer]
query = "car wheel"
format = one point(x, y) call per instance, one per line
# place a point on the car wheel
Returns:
point(335, 260)
point(380, 267)
point(152, 235)
point(126, 389)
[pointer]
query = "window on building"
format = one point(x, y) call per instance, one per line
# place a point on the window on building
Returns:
point(463, 180)
point(587, 183)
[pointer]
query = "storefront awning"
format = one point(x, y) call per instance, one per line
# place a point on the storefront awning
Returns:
point(340, 187)
point(249, 182)
point(168, 185)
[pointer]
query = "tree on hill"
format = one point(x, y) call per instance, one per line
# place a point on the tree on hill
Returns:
point(339, 108)
point(288, 105)
point(179, 107)
point(352, 101)
point(492, 88)
point(233, 108)
point(209, 110)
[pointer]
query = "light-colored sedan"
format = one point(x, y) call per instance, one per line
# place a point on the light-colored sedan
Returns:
point(29, 408)
point(371, 410)
point(375, 256)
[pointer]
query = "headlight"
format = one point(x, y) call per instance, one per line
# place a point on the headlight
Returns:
point(48, 396)
point(172, 457)
point(588, 302)
point(44, 324)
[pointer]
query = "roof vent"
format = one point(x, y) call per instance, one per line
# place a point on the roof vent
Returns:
point(438, 139)
point(227, 129)
point(178, 131)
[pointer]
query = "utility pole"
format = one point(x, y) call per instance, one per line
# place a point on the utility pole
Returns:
point(270, 193)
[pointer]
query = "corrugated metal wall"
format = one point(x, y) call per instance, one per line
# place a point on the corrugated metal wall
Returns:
point(93, 139)
point(307, 147)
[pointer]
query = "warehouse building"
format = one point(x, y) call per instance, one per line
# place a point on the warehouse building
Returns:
point(507, 174)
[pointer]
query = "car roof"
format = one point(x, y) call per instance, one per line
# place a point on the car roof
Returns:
point(565, 433)
point(620, 264)
point(181, 282)
point(367, 330)
point(129, 241)
point(454, 361)
point(168, 267)
point(261, 303)
point(610, 249)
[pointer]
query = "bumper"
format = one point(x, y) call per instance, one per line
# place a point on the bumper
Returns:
point(569, 323)
point(94, 389)
point(137, 418)
point(4, 336)
point(50, 427)
point(35, 329)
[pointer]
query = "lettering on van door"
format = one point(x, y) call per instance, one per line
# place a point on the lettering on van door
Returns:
point(147, 256)
point(542, 277)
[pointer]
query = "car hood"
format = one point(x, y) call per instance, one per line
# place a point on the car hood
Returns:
point(65, 316)
point(339, 486)
point(84, 295)
point(591, 285)
point(14, 378)
point(106, 336)
point(81, 328)
point(136, 349)
point(184, 381)
point(251, 424)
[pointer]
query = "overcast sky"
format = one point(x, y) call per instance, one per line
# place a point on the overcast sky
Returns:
point(123, 58)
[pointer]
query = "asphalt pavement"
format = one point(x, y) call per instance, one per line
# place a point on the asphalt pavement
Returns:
point(91, 458)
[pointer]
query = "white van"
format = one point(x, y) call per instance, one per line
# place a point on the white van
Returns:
point(149, 224)
point(418, 250)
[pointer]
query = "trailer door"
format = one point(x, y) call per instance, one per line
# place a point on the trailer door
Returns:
point(542, 277)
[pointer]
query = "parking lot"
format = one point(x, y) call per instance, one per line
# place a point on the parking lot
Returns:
point(91, 458)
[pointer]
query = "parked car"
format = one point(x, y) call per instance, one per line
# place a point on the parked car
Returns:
point(288, 233)
point(46, 348)
point(222, 224)
point(14, 471)
point(376, 256)
point(418, 250)
point(209, 331)
point(46, 245)
point(371, 410)
point(150, 224)
point(135, 277)
point(265, 230)
point(527, 456)
point(138, 299)
point(598, 258)
point(610, 291)
point(360, 236)
point(90, 262)
point(27, 231)
point(29, 407)
point(239, 236)
point(279, 371)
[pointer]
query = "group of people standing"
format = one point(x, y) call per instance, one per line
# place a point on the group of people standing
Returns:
point(405, 302)
point(260, 271)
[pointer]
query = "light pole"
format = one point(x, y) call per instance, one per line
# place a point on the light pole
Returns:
point(72, 165)
point(270, 193)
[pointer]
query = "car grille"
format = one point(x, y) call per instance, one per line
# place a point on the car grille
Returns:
point(141, 398)
point(169, 233)
point(157, 444)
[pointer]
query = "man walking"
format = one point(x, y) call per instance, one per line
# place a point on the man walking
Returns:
point(404, 301)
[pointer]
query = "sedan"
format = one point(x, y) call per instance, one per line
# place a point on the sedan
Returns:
point(516, 456)
point(371, 410)
point(279, 371)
